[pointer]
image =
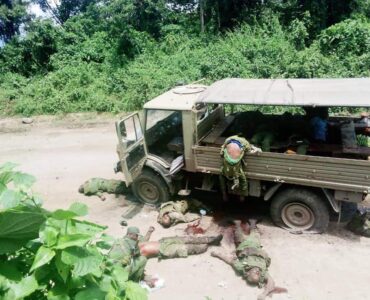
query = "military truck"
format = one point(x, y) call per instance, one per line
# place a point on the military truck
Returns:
point(175, 146)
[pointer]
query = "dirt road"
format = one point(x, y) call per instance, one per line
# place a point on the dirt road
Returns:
point(63, 154)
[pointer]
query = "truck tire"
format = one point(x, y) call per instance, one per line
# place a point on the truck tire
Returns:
point(150, 188)
point(300, 210)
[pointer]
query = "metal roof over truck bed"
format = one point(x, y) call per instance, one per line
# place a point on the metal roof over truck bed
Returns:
point(178, 98)
point(354, 92)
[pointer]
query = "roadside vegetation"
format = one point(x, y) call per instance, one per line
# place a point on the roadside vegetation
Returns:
point(54, 254)
point(112, 56)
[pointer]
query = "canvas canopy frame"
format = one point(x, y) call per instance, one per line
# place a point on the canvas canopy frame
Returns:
point(346, 92)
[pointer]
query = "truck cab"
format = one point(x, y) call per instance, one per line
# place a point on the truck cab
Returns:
point(176, 145)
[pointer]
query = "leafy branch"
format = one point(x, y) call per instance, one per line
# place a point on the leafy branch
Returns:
point(53, 254)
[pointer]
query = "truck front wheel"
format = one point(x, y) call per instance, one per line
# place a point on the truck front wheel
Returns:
point(150, 188)
point(300, 210)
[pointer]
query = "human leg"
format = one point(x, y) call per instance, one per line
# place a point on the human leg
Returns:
point(137, 269)
point(239, 234)
point(197, 240)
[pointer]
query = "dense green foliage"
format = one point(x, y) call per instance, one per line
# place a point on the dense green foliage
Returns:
point(54, 255)
point(114, 55)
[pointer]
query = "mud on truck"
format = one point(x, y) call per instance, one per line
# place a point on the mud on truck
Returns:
point(175, 145)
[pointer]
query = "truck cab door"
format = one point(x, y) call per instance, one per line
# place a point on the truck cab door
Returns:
point(131, 147)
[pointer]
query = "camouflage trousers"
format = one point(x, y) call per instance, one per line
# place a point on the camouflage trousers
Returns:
point(264, 139)
point(136, 268)
point(240, 182)
point(174, 247)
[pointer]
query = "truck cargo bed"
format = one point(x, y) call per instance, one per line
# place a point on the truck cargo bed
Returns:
point(325, 172)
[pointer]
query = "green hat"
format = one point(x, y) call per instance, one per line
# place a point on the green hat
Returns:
point(133, 229)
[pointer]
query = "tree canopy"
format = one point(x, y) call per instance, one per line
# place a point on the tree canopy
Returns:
point(113, 55)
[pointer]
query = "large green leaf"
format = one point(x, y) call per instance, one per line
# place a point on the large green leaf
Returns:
point(83, 261)
point(23, 179)
point(10, 198)
point(48, 234)
point(120, 274)
point(20, 224)
point(134, 291)
point(62, 268)
point(92, 293)
point(42, 257)
point(8, 166)
point(24, 288)
point(52, 296)
point(61, 214)
point(10, 246)
point(58, 292)
point(79, 209)
point(76, 210)
point(105, 283)
point(106, 242)
point(9, 269)
point(2, 185)
point(86, 227)
point(71, 240)
point(17, 227)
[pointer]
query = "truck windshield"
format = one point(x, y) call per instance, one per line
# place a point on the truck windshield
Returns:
point(163, 133)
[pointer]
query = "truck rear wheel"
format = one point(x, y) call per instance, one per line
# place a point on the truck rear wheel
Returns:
point(300, 210)
point(150, 188)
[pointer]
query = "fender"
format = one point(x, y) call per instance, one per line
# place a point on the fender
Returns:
point(333, 203)
point(161, 167)
point(271, 191)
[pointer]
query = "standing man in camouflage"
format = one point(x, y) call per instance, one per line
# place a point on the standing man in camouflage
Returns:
point(232, 152)
point(126, 252)
point(250, 261)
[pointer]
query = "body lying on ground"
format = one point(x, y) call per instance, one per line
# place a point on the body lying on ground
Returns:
point(178, 246)
point(249, 260)
point(174, 212)
point(98, 186)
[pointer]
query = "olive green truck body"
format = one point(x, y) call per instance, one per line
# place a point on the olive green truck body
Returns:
point(176, 145)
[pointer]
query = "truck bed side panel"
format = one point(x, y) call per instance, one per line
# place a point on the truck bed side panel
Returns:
point(326, 172)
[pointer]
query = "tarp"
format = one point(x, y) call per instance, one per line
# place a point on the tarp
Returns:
point(354, 92)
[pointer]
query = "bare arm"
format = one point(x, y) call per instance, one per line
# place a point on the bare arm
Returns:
point(148, 234)
point(270, 288)
point(228, 258)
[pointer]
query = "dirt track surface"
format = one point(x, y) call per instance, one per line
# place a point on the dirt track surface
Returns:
point(62, 154)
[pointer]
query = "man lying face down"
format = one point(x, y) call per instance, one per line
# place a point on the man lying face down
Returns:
point(249, 260)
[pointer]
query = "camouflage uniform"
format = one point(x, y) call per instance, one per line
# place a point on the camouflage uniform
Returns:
point(360, 224)
point(263, 138)
point(97, 186)
point(126, 252)
point(232, 169)
point(250, 254)
point(174, 247)
point(178, 211)
point(363, 140)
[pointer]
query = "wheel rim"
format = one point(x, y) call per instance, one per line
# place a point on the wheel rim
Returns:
point(148, 192)
point(298, 216)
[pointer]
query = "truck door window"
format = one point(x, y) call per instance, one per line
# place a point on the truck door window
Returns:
point(163, 133)
point(130, 131)
point(139, 133)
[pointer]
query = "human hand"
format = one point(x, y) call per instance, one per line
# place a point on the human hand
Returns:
point(151, 229)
